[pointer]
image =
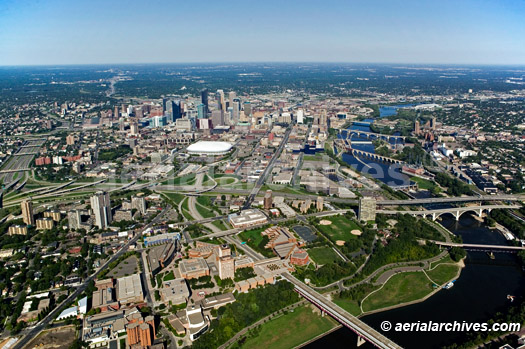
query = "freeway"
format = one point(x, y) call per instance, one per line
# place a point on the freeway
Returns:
point(267, 170)
point(34, 331)
point(20, 160)
point(379, 202)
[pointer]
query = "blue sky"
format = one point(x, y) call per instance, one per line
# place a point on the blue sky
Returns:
point(387, 31)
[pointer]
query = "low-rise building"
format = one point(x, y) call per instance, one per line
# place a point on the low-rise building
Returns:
point(216, 302)
point(54, 215)
point(160, 239)
point(299, 257)
point(17, 230)
point(193, 268)
point(160, 256)
point(247, 218)
point(44, 224)
point(129, 289)
point(175, 291)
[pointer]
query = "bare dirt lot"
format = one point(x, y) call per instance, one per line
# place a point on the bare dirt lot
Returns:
point(56, 338)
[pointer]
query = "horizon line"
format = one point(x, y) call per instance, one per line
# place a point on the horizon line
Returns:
point(262, 62)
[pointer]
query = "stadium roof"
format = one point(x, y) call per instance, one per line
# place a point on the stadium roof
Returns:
point(210, 147)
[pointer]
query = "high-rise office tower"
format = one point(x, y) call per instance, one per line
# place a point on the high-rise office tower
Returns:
point(116, 112)
point(202, 113)
point(231, 96)
point(204, 99)
point(300, 116)
point(220, 100)
point(101, 205)
point(236, 110)
point(175, 111)
point(433, 123)
point(27, 212)
point(164, 104)
point(247, 108)
point(217, 118)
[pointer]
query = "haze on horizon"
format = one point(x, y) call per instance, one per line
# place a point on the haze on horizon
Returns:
point(58, 32)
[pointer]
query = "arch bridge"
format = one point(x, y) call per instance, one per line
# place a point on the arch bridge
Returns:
point(373, 135)
point(343, 145)
point(457, 212)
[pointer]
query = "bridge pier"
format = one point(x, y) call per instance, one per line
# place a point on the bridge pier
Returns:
point(360, 341)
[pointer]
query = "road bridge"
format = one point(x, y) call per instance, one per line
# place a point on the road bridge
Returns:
point(29, 153)
point(343, 145)
point(364, 331)
point(478, 247)
point(16, 170)
point(367, 134)
point(457, 212)
point(453, 199)
point(374, 156)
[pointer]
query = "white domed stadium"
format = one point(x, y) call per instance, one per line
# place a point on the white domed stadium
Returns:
point(209, 148)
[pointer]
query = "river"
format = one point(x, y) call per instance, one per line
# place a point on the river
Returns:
point(385, 172)
point(479, 293)
point(389, 110)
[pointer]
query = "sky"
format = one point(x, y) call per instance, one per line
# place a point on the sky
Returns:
point(53, 32)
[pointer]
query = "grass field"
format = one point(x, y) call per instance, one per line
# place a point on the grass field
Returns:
point(423, 183)
point(400, 288)
point(323, 255)
point(349, 305)
point(316, 157)
point(204, 212)
point(185, 211)
point(254, 236)
point(169, 276)
point(175, 197)
point(443, 273)
point(242, 186)
point(225, 180)
point(221, 225)
point(184, 180)
point(290, 330)
point(339, 229)
point(284, 189)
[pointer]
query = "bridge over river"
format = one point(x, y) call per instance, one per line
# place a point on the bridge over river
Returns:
point(363, 331)
point(457, 212)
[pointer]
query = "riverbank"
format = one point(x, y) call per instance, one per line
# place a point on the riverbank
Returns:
point(403, 286)
point(460, 265)
point(295, 327)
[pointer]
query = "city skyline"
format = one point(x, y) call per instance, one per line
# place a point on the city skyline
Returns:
point(60, 33)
